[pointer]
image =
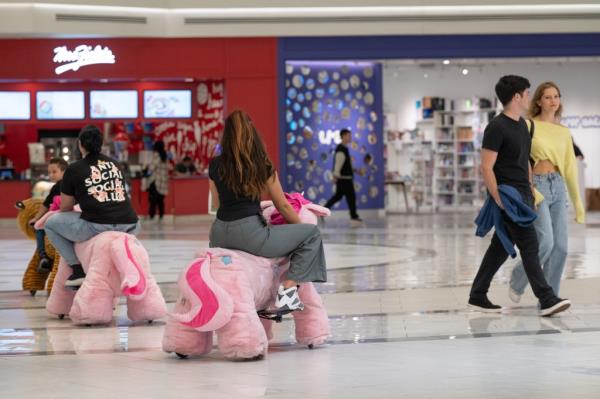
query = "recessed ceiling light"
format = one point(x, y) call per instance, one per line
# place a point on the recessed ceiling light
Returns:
point(465, 71)
point(446, 62)
point(425, 75)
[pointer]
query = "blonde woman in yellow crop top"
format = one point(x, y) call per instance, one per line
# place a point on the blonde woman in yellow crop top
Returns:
point(554, 174)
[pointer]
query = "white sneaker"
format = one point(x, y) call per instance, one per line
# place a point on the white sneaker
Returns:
point(288, 299)
point(514, 295)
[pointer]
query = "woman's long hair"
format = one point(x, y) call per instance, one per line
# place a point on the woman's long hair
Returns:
point(245, 166)
point(535, 109)
point(159, 147)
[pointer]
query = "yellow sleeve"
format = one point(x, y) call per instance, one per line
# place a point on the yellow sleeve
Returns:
point(571, 176)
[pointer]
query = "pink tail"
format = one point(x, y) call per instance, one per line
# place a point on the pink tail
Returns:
point(211, 306)
point(133, 276)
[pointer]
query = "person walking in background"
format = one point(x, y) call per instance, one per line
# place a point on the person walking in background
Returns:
point(507, 176)
point(554, 166)
point(158, 180)
point(343, 177)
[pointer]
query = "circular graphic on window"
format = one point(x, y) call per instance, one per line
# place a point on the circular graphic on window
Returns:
point(305, 70)
point(320, 93)
point(290, 138)
point(339, 104)
point(369, 98)
point(314, 146)
point(317, 107)
point(293, 125)
point(307, 132)
point(290, 158)
point(294, 149)
point(354, 104)
point(289, 116)
point(291, 93)
point(296, 107)
point(301, 123)
point(290, 179)
point(363, 199)
point(300, 97)
point(328, 175)
point(310, 84)
point(345, 69)
point(373, 192)
point(306, 112)
point(354, 81)
point(366, 85)
point(311, 193)
point(361, 123)
point(321, 188)
point(289, 69)
point(323, 77)
point(357, 186)
point(346, 113)
point(368, 72)
point(344, 85)
point(299, 185)
point(298, 165)
point(335, 75)
point(372, 139)
point(298, 81)
point(303, 153)
point(334, 90)
point(324, 156)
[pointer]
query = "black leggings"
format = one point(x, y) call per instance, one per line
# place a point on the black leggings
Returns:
point(156, 199)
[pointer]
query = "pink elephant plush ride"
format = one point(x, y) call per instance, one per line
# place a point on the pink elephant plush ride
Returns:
point(116, 264)
point(222, 290)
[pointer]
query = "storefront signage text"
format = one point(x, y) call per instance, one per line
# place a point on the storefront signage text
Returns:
point(82, 55)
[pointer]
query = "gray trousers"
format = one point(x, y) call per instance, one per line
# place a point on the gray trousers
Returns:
point(64, 229)
point(301, 242)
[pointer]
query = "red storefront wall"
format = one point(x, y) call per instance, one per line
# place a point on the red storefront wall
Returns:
point(248, 66)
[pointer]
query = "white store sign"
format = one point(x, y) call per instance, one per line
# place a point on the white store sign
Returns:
point(83, 55)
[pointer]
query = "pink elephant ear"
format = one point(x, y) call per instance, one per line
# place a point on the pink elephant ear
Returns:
point(211, 306)
point(318, 209)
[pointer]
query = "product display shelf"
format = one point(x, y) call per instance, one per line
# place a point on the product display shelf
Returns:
point(422, 160)
point(457, 144)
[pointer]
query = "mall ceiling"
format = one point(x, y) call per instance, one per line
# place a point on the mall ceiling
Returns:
point(186, 18)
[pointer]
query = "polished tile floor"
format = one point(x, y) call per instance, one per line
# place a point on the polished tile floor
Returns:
point(396, 296)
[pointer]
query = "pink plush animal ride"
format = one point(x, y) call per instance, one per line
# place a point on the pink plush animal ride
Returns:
point(221, 291)
point(115, 264)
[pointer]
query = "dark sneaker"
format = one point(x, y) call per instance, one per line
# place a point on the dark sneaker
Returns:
point(76, 278)
point(288, 299)
point(554, 306)
point(357, 222)
point(483, 305)
point(45, 265)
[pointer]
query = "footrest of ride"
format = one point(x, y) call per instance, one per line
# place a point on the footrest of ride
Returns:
point(273, 314)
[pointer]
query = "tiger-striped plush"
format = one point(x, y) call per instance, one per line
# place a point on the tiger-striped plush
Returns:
point(33, 280)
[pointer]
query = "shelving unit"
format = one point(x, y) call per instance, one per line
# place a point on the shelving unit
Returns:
point(457, 139)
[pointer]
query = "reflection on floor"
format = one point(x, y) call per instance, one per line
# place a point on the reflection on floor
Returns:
point(396, 297)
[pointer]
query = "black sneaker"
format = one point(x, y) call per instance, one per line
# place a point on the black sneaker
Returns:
point(76, 278)
point(483, 305)
point(45, 265)
point(554, 306)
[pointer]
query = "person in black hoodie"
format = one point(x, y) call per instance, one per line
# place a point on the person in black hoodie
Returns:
point(343, 176)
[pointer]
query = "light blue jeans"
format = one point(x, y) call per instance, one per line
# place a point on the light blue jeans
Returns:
point(551, 226)
point(64, 229)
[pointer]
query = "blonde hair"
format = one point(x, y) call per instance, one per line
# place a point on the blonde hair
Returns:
point(535, 109)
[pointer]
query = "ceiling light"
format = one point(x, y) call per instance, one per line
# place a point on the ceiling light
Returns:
point(465, 71)
point(425, 75)
point(446, 62)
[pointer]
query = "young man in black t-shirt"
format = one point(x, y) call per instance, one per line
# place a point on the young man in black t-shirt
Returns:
point(97, 184)
point(505, 160)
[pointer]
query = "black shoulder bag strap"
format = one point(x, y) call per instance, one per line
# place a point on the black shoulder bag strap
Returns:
point(531, 132)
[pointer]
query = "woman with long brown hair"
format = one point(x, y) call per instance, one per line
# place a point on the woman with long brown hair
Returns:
point(238, 178)
point(554, 167)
